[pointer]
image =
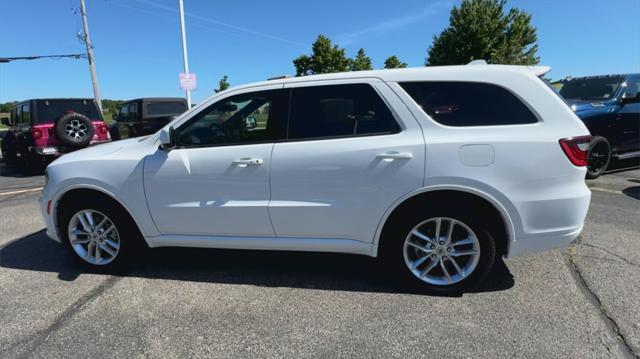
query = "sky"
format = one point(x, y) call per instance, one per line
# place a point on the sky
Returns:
point(137, 43)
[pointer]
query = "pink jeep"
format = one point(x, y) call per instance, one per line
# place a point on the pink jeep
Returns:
point(42, 130)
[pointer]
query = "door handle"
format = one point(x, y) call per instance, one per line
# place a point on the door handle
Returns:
point(390, 156)
point(244, 162)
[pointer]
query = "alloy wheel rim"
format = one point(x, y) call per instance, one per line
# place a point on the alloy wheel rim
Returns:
point(597, 158)
point(76, 129)
point(94, 237)
point(441, 251)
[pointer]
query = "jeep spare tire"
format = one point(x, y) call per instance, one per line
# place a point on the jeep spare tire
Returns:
point(74, 129)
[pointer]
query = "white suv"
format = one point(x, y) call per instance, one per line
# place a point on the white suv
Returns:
point(436, 170)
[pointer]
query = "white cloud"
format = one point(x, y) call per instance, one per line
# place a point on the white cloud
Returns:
point(388, 25)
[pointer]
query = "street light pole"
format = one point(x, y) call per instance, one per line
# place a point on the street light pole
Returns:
point(92, 66)
point(184, 49)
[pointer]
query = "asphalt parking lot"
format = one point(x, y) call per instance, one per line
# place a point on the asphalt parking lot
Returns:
point(577, 302)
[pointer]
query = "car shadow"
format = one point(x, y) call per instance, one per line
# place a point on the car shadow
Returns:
point(15, 171)
point(322, 271)
point(633, 192)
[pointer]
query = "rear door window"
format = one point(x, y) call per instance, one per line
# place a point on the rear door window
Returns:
point(338, 111)
point(469, 103)
point(25, 114)
point(632, 87)
point(123, 115)
point(133, 112)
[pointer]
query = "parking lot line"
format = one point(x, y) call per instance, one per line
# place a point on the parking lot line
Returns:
point(605, 190)
point(21, 191)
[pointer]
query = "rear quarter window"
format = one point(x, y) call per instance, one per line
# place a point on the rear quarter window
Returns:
point(469, 103)
point(165, 108)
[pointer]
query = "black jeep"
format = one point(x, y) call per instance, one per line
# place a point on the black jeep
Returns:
point(145, 116)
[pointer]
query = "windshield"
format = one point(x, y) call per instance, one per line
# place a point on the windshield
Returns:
point(51, 110)
point(165, 108)
point(598, 89)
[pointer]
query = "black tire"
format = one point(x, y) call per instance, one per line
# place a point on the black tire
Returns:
point(74, 130)
point(599, 157)
point(130, 239)
point(9, 155)
point(31, 164)
point(393, 251)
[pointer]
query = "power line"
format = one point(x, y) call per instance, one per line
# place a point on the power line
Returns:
point(223, 24)
point(71, 56)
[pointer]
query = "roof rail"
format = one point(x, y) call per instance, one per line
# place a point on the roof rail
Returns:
point(478, 62)
point(278, 77)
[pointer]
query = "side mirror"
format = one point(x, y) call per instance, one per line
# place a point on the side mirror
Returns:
point(167, 138)
point(250, 123)
point(5, 121)
point(632, 99)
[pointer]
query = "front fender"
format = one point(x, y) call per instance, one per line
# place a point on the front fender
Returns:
point(121, 181)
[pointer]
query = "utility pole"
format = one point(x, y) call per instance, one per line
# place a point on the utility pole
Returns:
point(184, 49)
point(92, 66)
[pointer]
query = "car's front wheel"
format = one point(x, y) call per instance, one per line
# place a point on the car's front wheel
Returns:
point(442, 252)
point(98, 234)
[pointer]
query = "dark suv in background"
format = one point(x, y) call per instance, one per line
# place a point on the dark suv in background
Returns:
point(610, 108)
point(41, 130)
point(145, 116)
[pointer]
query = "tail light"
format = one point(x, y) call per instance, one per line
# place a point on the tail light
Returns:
point(103, 128)
point(36, 133)
point(576, 149)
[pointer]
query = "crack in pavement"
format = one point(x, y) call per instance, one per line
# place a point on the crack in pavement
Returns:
point(40, 337)
point(592, 298)
point(610, 252)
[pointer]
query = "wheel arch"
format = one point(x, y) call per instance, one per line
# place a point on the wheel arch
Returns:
point(74, 190)
point(506, 225)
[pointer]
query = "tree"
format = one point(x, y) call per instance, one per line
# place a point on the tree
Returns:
point(223, 84)
point(7, 106)
point(393, 62)
point(361, 62)
point(325, 58)
point(479, 29)
point(110, 109)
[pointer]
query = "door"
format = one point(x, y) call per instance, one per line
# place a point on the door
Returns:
point(23, 128)
point(216, 180)
point(628, 118)
point(135, 123)
point(122, 122)
point(348, 158)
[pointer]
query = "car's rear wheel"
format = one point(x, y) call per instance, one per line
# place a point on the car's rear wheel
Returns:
point(444, 251)
point(99, 234)
point(598, 157)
